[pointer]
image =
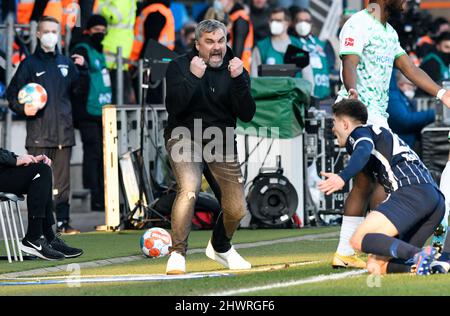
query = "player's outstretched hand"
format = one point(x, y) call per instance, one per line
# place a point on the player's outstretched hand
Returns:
point(25, 160)
point(332, 184)
point(446, 98)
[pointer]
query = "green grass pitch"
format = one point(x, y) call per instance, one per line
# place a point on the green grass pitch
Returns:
point(284, 267)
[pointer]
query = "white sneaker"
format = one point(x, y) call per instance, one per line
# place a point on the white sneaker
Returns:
point(230, 259)
point(176, 264)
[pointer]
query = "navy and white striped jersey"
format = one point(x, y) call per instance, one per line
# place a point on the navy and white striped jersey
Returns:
point(394, 164)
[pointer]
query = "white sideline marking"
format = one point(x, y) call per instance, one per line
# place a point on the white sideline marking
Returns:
point(109, 279)
point(120, 260)
point(153, 277)
point(315, 279)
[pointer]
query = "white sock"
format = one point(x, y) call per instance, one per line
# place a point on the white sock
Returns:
point(445, 189)
point(348, 228)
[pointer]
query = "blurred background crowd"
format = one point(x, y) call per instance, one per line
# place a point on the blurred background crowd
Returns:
point(259, 32)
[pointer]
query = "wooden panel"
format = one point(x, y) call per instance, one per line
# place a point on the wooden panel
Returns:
point(111, 169)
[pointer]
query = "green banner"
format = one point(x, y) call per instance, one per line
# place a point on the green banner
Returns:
point(281, 103)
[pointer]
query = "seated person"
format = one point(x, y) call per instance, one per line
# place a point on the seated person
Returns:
point(403, 119)
point(32, 175)
point(395, 230)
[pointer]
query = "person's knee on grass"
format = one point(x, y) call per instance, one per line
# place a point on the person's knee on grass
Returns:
point(356, 241)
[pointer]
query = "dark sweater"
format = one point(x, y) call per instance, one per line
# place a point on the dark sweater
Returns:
point(7, 158)
point(216, 98)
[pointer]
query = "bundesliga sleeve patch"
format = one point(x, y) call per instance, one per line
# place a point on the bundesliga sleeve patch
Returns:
point(351, 140)
point(349, 42)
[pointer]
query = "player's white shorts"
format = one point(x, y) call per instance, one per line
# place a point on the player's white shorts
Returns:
point(376, 119)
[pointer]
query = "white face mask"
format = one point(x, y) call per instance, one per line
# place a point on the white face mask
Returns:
point(49, 40)
point(276, 28)
point(409, 94)
point(303, 28)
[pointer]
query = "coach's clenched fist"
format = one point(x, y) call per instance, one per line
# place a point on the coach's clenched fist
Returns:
point(235, 67)
point(198, 66)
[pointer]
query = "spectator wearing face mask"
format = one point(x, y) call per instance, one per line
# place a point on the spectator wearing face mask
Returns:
point(436, 64)
point(317, 57)
point(87, 109)
point(271, 50)
point(426, 43)
point(404, 119)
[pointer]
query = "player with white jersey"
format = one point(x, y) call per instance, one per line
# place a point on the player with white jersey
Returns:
point(369, 49)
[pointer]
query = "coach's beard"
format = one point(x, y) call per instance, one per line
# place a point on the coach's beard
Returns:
point(215, 59)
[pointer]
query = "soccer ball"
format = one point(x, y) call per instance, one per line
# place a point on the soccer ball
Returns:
point(155, 242)
point(33, 93)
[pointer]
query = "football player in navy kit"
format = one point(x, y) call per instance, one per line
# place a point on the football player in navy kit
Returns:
point(395, 230)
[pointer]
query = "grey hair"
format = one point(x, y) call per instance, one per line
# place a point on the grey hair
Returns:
point(209, 26)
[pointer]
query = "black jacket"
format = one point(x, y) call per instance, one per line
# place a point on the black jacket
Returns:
point(216, 98)
point(52, 126)
point(432, 69)
point(7, 158)
point(80, 113)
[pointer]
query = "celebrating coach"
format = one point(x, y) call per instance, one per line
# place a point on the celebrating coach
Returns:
point(207, 90)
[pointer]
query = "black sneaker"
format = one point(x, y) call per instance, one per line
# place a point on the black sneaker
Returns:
point(65, 229)
point(69, 252)
point(40, 248)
